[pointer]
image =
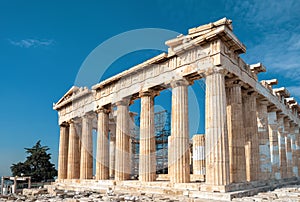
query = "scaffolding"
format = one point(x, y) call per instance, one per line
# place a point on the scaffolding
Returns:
point(162, 132)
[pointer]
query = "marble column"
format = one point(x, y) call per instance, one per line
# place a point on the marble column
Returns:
point(264, 141)
point(199, 154)
point(216, 140)
point(251, 135)
point(294, 150)
point(236, 135)
point(180, 132)
point(297, 144)
point(274, 148)
point(122, 169)
point(86, 157)
point(170, 158)
point(147, 160)
point(102, 166)
point(63, 151)
point(73, 152)
point(281, 144)
point(289, 166)
point(112, 149)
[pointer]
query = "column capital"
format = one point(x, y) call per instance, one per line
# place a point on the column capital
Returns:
point(262, 101)
point(179, 82)
point(215, 70)
point(124, 102)
point(148, 93)
point(64, 124)
point(74, 120)
point(273, 108)
point(89, 115)
point(233, 82)
point(103, 110)
point(249, 92)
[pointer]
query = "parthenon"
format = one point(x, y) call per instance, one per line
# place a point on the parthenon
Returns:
point(251, 129)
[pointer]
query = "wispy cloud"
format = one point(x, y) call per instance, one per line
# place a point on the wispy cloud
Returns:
point(31, 43)
point(276, 37)
point(295, 91)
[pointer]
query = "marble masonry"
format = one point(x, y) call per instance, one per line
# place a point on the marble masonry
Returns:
point(251, 128)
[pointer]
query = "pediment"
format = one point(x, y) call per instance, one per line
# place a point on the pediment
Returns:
point(67, 96)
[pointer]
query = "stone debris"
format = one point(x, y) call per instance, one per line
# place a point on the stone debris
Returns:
point(88, 196)
point(288, 194)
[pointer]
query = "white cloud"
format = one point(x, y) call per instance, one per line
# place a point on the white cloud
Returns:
point(28, 43)
point(265, 13)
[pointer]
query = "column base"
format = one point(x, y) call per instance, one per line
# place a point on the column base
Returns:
point(214, 188)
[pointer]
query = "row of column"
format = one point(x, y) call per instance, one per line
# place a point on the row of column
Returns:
point(245, 141)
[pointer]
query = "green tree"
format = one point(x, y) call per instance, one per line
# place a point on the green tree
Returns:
point(37, 164)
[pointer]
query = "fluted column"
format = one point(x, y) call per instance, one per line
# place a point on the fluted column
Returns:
point(236, 135)
point(251, 136)
point(102, 166)
point(264, 141)
point(216, 140)
point(122, 169)
point(180, 132)
point(147, 160)
point(63, 151)
point(112, 150)
point(297, 143)
point(282, 149)
point(170, 158)
point(199, 154)
point(73, 153)
point(294, 151)
point(86, 157)
point(274, 148)
point(289, 166)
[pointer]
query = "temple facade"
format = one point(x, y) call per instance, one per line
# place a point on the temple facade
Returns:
point(251, 129)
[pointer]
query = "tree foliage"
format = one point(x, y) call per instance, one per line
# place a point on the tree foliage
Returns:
point(37, 164)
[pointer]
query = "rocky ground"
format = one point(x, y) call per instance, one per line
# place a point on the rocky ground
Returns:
point(289, 193)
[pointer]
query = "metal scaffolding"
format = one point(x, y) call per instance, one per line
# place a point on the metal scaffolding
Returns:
point(162, 122)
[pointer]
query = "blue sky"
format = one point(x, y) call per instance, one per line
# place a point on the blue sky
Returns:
point(44, 43)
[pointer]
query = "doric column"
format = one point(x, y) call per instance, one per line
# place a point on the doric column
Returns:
point(122, 169)
point(199, 154)
point(63, 151)
point(216, 140)
point(170, 158)
point(73, 152)
point(294, 150)
point(112, 149)
point(236, 135)
point(102, 166)
point(264, 142)
point(251, 136)
point(281, 144)
point(297, 143)
point(86, 157)
point(180, 132)
point(147, 160)
point(289, 166)
point(274, 148)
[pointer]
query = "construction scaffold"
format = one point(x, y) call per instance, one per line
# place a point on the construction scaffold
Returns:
point(162, 132)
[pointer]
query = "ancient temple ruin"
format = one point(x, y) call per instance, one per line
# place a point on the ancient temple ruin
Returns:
point(251, 129)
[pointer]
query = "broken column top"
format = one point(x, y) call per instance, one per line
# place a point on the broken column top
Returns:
point(271, 82)
point(290, 100)
point(257, 68)
point(223, 21)
point(282, 91)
